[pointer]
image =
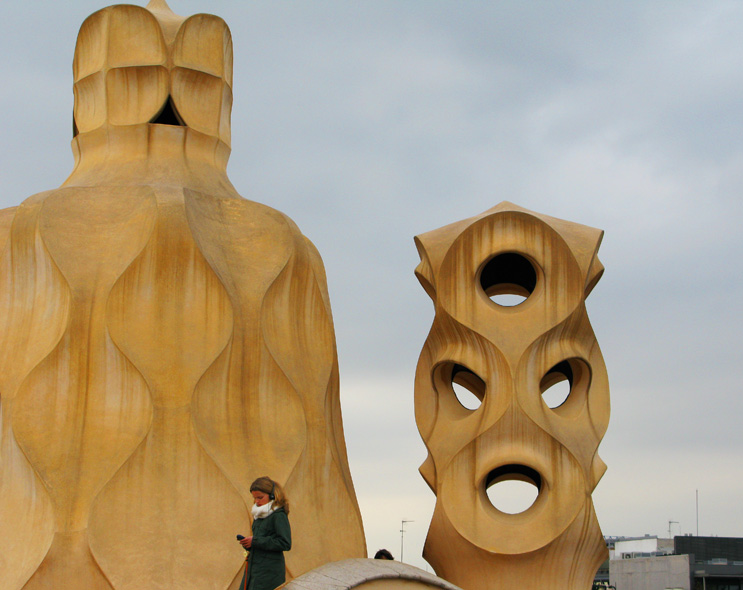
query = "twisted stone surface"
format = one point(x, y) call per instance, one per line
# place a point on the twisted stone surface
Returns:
point(164, 340)
point(508, 357)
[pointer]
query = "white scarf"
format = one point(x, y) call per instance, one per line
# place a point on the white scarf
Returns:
point(263, 511)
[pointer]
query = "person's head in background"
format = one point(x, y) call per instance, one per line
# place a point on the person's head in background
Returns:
point(383, 554)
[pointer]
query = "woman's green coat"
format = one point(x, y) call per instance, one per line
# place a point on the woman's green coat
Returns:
point(271, 537)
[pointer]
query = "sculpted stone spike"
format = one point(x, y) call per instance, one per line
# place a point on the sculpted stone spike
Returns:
point(160, 5)
point(164, 340)
point(510, 357)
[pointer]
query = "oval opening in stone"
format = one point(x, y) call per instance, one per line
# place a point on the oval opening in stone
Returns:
point(468, 387)
point(556, 395)
point(513, 489)
point(508, 279)
point(464, 385)
point(465, 397)
point(565, 386)
point(557, 384)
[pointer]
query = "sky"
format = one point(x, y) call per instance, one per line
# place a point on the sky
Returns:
point(370, 122)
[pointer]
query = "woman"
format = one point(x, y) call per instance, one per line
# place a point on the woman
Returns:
point(272, 535)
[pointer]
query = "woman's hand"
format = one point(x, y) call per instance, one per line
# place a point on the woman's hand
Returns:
point(246, 542)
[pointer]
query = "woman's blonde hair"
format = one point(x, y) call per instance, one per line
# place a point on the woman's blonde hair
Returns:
point(274, 490)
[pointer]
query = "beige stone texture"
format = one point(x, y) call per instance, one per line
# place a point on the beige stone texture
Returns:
point(368, 574)
point(164, 340)
point(507, 356)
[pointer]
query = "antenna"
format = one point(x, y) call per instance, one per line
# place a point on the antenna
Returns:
point(669, 527)
point(402, 534)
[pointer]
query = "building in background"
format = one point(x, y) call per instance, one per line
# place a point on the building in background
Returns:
point(647, 546)
point(681, 563)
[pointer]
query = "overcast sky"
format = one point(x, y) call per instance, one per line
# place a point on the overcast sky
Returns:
point(371, 122)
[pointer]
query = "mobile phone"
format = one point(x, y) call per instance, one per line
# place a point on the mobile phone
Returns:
point(240, 537)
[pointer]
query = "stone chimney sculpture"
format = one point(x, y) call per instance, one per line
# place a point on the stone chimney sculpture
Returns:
point(508, 356)
point(164, 340)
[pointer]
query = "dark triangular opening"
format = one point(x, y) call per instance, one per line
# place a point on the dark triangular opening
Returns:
point(74, 127)
point(168, 115)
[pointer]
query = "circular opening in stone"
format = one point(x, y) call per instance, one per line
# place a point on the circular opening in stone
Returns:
point(508, 279)
point(513, 488)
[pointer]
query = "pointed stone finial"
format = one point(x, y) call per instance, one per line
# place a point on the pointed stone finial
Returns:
point(169, 20)
point(159, 5)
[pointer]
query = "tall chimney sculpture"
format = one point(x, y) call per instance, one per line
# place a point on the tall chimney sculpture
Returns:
point(508, 356)
point(164, 340)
